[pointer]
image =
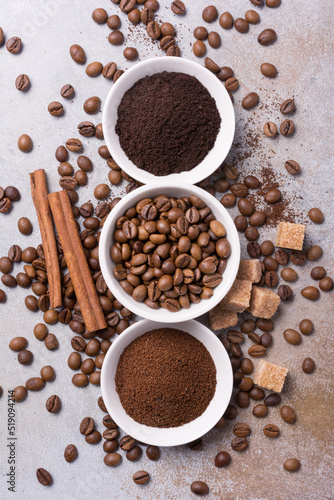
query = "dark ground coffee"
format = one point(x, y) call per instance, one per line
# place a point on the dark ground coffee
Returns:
point(167, 123)
point(165, 378)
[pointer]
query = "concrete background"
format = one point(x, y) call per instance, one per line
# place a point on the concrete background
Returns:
point(303, 55)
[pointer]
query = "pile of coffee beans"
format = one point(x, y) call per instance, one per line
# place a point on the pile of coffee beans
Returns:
point(169, 252)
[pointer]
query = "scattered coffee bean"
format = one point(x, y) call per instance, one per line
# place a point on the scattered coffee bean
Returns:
point(167, 29)
point(199, 48)
point(94, 69)
point(292, 167)
point(24, 143)
point(308, 365)
point(291, 465)
point(3, 297)
point(153, 452)
point(55, 108)
point(289, 274)
point(14, 45)
point(116, 37)
point(256, 393)
point(326, 284)
point(268, 70)
point(270, 129)
point(142, 477)
point(271, 430)
point(87, 426)
point(288, 414)
point(250, 101)
point(67, 91)
point(272, 399)
point(35, 384)
point(18, 344)
point(241, 430)
point(22, 82)
point(43, 477)
point(134, 454)
point(112, 459)
point(226, 20)
point(285, 292)
point(241, 25)
point(273, 195)
point(92, 105)
point(310, 293)
point(260, 411)
point(214, 40)
point(47, 373)
point(306, 327)
point(78, 54)
point(100, 16)
point(70, 453)
point(199, 488)
point(25, 357)
point(222, 459)
point(232, 84)
point(200, 33)
point(24, 226)
point(20, 393)
point(252, 17)
point(53, 404)
point(288, 106)
point(93, 438)
point(267, 37)
point(130, 53)
point(316, 215)
point(292, 336)
point(239, 444)
point(210, 14)
point(40, 331)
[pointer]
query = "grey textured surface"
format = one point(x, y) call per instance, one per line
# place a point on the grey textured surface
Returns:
point(303, 55)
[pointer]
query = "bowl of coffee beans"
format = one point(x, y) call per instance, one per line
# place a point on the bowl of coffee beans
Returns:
point(166, 385)
point(169, 251)
point(168, 117)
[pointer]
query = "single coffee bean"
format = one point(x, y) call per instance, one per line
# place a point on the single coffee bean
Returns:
point(2, 37)
point(247, 366)
point(153, 29)
point(53, 404)
point(222, 459)
point(127, 443)
point(78, 54)
point(316, 215)
point(292, 336)
point(292, 167)
point(153, 452)
point(14, 45)
point(252, 17)
point(210, 14)
point(239, 444)
point(142, 477)
point(92, 105)
point(256, 351)
point(306, 327)
point(24, 225)
point(67, 91)
point(271, 430)
point(231, 412)
point(167, 29)
point(268, 70)
point(94, 69)
point(74, 145)
point(314, 253)
point(273, 195)
point(200, 33)
point(267, 37)
point(24, 144)
point(55, 108)
point(226, 20)
point(318, 273)
point(43, 477)
point(288, 414)
point(134, 454)
point(270, 129)
point(232, 84)
point(308, 365)
point(35, 384)
point(326, 284)
point(199, 48)
point(241, 430)
point(47, 373)
point(5, 205)
point(87, 426)
point(287, 128)
point(288, 106)
point(241, 25)
point(70, 453)
point(260, 411)
point(100, 16)
point(310, 293)
point(20, 393)
point(3, 297)
point(214, 40)
point(273, 3)
point(254, 249)
point(272, 399)
point(116, 37)
point(291, 465)
point(130, 53)
point(93, 438)
point(281, 256)
point(298, 257)
point(22, 82)
point(211, 65)
point(199, 488)
point(80, 380)
point(289, 274)
point(224, 74)
point(51, 342)
point(241, 223)
point(25, 357)
point(256, 393)
point(257, 219)
point(285, 292)
point(18, 344)
point(112, 459)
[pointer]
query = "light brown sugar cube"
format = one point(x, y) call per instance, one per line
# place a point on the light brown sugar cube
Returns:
point(290, 235)
point(250, 270)
point(220, 318)
point(263, 302)
point(238, 297)
point(270, 376)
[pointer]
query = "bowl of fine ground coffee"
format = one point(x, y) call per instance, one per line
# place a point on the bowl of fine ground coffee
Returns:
point(163, 258)
point(166, 385)
point(170, 118)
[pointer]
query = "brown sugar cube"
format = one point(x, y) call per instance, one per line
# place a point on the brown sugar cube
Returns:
point(220, 318)
point(263, 302)
point(250, 270)
point(237, 299)
point(290, 235)
point(270, 376)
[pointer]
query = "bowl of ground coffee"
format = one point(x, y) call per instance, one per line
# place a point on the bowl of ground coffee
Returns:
point(169, 251)
point(166, 385)
point(168, 118)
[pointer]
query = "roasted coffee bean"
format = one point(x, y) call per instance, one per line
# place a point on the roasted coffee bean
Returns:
point(260, 411)
point(142, 477)
point(51, 342)
point(223, 459)
point(287, 128)
point(43, 477)
point(267, 37)
point(239, 444)
point(292, 167)
point(242, 399)
point(214, 41)
point(245, 207)
point(289, 274)
point(257, 219)
point(326, 284)
point(200, 33)
point(53, 404)
point(2, 37)
point(256, 393)
point(153, 29)
point(18, 344)
point(70, 453)
point(267, 248)
point(316, 215)
point(318, 273)
point(273, 3)
point(3, 297)
point(67, 91)
point(47, 373)
point(78, 54)
point(92, 105)
point(268, 70)
point(239, 189)
point(9, 280)
point(24, 226)
point(242, 26)
point(35, 384)
point(270, 129)
point(25, 357)
point(12, 193)
point(55, 108)
point(224, 74)
point(226, 20)
point(266, 339)
point(257, 351)
point(199, 48)
point(273, 195)
point(241, 430)
point(111, 434)
point(210, 14)
point(308, 365)
point(310, 293)
point(211, 65)
point(253, 249)
point(292, 464)
point(130, 53)
point(241, 223)
point(252, 17)
point(14, 45)
point(288, 414)
point(110, 446)
point(306, 327)
point(22, 82)
point(288, 106)
point(134, 454)
point(199, 488)
point(271, 430)
point(93, 438)
point(314, 253)
point(87, 426)
point(127, 443)
point(20, 393)
point(298, 257)
point(254, 337)
point(247, 366)
point(272, 399)
point(232, 84)
point(112, 459)
point(271, 279)
point(74, 145)
point(80, 380)
point(231, 412)
point(251, 233)
point(245, 384)
point(153, 452)
point(6, 265)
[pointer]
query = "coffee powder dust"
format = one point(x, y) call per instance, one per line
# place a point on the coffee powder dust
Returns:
point(165, 378)
point(167, 123)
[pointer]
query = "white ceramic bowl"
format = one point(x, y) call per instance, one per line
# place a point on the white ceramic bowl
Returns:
point(177, 435)
point(176, 189)
point(217, 90)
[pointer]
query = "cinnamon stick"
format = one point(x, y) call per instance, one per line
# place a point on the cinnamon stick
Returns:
point(39, 193)
point(76, 261)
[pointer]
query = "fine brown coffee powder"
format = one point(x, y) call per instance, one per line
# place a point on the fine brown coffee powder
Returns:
point(167, 123)
point(165, 378)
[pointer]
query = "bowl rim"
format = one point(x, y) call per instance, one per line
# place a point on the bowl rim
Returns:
point(202, 170)
point(223, 392)
point(162, 315)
